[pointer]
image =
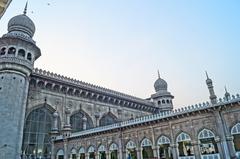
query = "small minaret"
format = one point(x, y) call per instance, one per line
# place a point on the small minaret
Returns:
point(227, 94)
point(162, 98)
point(18, 52)
point(212, 97)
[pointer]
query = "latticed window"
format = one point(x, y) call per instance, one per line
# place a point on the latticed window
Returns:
point(185, 147)
point(76, 121)
point(236, 137)
point(107, 119)
point(207, 142)
point(36, 140)
point(146, 142)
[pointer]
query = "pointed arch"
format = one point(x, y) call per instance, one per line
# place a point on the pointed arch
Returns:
point(73, 151)
point(130, 145)
point(113, 147)
point(146, 142)
point(205, 134)
point(183, 137)
point(101, 148)
point(60, 152)
point(107, 119)
point(163, 140)
point(91, 149)
point(235, 129)
point(81, 150)
point(37, 126)
point(76, 121)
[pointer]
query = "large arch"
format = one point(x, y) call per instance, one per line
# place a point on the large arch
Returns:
point(91, 152)
point(102, 152)
point(81, 153)
point(235, 131)
point(36, 138)
point(77, 120)
point(60, 154)
point(113, 149)
point(107, 119)
point(185, 148)
point(131, 151)
point(147, 151)
point(164, 147)
point(208, 146)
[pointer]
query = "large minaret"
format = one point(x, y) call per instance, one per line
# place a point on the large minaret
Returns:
point(212, 97)
point(18, 53)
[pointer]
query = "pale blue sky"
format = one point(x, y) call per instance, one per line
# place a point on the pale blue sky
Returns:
point(120, 44)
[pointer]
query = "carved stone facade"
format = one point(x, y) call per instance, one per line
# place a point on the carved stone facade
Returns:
point(201, 131)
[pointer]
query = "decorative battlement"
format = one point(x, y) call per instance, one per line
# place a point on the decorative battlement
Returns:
point(93, 89)
point(149, 118)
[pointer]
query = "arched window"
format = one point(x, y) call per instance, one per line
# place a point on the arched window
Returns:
point(163, 101)
point(167, 101)
point(185, 147)
point(60, 154)
point(91, 152)
point(164, 147)
point(36, 139)
point(159, 102)
point(3, 51)
point(73, 154)
point(82, 153)
point(147, 151)
point(208, 146)
point(101, 152)
point(21, 53)
point(29, 57)
point(11, 51)
point(113, 151)
point(108, 119)
point(77, 121)
point(131, 150)
point(236, 138)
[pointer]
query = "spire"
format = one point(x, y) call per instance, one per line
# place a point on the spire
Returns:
point(225, 89)
point(207, 74)
point(25, 9)
point(158, 74)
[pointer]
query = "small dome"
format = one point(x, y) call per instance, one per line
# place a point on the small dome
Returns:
point(160, 84)
point(21, 23)
point(55, 114)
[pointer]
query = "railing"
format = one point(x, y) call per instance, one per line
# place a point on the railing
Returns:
point(161, 115)
point(210, 156)
point(186, 157)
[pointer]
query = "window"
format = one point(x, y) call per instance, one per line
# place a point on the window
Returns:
point(11, 51)
point(185, 147)
point(3, 51)
point(21, 53)
point(164, 147)
point(236, 137)
point(108, 119)
point(76, 121)
point(163, 101)
point(36, 140)
point(207, 142)
point(29, 56)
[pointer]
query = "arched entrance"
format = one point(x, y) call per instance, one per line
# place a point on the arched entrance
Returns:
point(60, 154)
point(77, 121)
point(36, 138)
point(164, 148)
point(102, 152)
point(91, 152)
point(185, 148)
point(208, 146)
point(108, 119)
point(82, 153)
point(73, 154)
point(236, 138)
point(147, 152)
point(131, 152)
point(113, 151)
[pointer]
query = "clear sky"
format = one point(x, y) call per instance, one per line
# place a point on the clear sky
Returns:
point(120, 44)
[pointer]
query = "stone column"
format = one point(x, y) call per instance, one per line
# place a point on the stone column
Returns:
point(84, 122)
point(158, 153)
point(107, 155)
point(219, 146)
point(120, 147)
point(196, 149)
point(222, 133)
point(139, 153)
point(174, 151)
point(155, 151)
point(65, 143)
point(54, 133)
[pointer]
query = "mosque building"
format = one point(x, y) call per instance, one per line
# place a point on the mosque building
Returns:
point(49, 116)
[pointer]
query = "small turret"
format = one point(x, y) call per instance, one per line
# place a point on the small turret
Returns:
point(162, 98)
point(212, 97)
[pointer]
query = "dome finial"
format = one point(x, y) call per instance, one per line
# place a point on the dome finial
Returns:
point(207, 74)
point(158, 74)
point(25, 9)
